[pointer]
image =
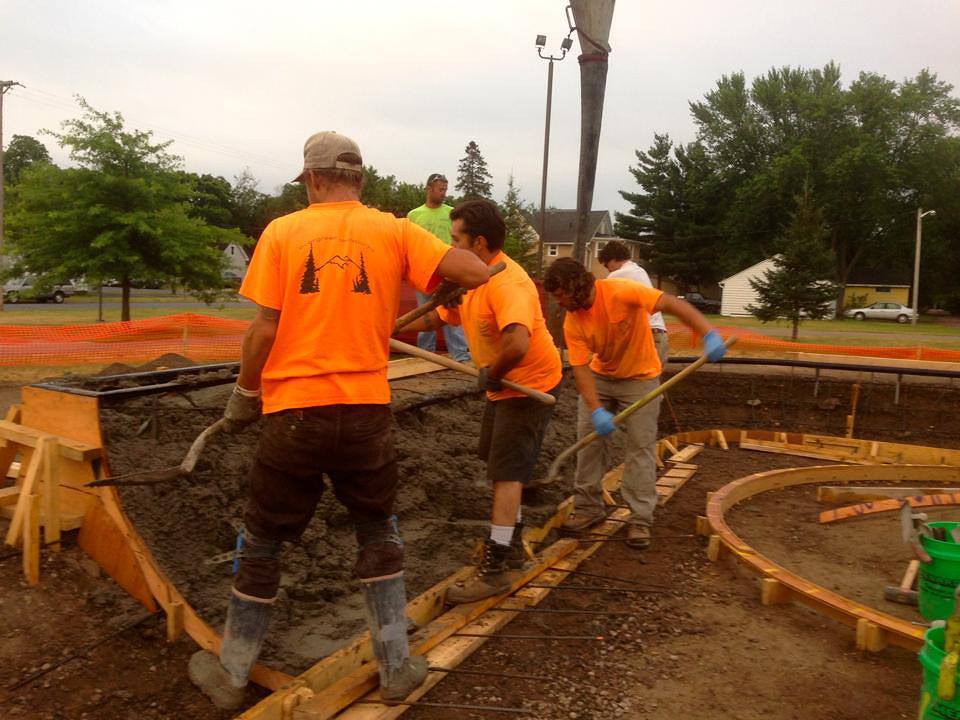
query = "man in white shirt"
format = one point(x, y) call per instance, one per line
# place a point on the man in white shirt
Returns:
point(615, 257)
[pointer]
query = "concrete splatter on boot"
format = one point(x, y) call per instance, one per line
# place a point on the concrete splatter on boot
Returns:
point(400, 674)
point(224, 679)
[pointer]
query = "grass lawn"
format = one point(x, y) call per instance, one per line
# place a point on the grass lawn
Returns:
point(66, 315)
point(925, 326)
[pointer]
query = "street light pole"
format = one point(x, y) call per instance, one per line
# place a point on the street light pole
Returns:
point(916, 263)
point(565, 45)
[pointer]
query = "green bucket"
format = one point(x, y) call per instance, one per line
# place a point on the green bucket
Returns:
point(931, 656)
point(940, 577)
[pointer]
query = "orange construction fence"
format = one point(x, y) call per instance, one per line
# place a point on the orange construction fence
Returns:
point(208, 339)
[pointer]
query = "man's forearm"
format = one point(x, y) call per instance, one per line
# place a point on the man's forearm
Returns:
point(586, 386)
point(425, 323)
point(254, 351)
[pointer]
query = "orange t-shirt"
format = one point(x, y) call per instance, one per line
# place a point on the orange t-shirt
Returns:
point(333, 270)
point(616, 330)
point(508, 298)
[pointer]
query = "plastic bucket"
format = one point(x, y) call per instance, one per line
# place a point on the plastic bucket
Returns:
point(940, 577)
point(931, 656)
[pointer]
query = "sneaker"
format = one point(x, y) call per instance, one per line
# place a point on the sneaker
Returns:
point(405, 680)
point(493, 577)
point(638, 537)
point(209, 675)
point(579, 521)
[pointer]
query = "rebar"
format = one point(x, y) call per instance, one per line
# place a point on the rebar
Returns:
point(560, 611)
point(597, 588)
point(604, 577)
point(599, 638)
point(452, 706)
point(492, 673)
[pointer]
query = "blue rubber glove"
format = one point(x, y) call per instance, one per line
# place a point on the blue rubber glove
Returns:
point(602, 421)
point(713, 346)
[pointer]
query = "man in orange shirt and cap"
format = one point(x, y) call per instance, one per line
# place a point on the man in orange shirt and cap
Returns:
point(508, 340)
point(327, 283)
point(609, 320)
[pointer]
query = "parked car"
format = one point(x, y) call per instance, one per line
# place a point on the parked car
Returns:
point(27, 288)
point(881, 311)
point(701, 303)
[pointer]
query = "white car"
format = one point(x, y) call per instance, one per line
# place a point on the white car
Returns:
point(881, 311)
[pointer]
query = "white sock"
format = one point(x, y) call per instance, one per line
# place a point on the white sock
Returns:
point(501, 534)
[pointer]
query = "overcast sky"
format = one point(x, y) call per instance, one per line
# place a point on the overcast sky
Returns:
point(241, 84)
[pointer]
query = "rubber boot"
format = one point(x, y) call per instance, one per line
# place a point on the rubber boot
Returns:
point(223, 680)
point(517, 557)
point(400, 674)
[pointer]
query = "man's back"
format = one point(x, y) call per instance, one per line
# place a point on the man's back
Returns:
point(333, 270)
point(631, 271)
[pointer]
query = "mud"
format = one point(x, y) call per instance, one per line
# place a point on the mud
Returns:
point(444, 499)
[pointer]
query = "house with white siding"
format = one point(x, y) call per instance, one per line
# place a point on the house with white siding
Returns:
point(237, 262)
point(736, 291)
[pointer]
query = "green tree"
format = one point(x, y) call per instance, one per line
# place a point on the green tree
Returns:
point(22, 152)
point(390, 195)
point(211, 199)
point(122, 213)
point(473, 178)
point(521, 241)
point(796, 287)
point(248, 205)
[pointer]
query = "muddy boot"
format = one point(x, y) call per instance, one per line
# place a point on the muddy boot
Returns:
point(638, 537)
point(223, 680)
point(518, 556)
point(580, 520)
point(400, 674)
point(493, 576)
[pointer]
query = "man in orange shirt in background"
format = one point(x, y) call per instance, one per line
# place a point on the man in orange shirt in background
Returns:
point(508, 340)
point(609, 320)
point(327, 283)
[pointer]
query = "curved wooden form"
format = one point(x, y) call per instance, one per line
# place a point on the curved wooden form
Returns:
point(875, 629)
point(879, 506)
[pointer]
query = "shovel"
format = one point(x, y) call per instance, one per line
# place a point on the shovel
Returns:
point(152, 477)
point(402, 347)
point(618, 419)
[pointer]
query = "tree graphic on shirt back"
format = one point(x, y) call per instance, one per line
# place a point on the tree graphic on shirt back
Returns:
point(309, 284)
point(362, 283)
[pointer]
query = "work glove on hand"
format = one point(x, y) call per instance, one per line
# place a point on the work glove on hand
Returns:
point(602, 421)
point(713, 346)
point(243, 408)
point(448, 294)
point(485, 382)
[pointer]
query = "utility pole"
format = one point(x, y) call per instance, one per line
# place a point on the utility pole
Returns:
point(916, 263)
point(5, 86)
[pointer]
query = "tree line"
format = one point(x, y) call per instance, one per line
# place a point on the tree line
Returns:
point(852, 163)
point(127, 210)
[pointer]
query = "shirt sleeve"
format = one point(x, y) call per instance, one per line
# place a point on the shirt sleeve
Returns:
point(450, 317)
point(514, 304)
point(263, 283)
point(636, 295)
point(423, 252)
point(577, 350)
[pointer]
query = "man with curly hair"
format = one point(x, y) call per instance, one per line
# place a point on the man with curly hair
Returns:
point(609, 320)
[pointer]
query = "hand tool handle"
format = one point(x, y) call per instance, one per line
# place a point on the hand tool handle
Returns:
point(403, 347)
point(627, 412)
point(419, 312)
point(193, 454)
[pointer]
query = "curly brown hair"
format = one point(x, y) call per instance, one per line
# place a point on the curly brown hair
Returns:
point(569, 276)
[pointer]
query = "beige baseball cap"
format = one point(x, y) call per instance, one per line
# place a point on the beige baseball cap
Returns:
point(325, 151)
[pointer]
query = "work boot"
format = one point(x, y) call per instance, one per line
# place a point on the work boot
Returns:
point(518, 555)
point(638, 537)
point(580, 520)
point(492, 578)
point(400, 674)
point(223, 680)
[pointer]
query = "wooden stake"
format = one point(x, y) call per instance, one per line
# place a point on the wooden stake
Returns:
point(31, 539)
point(174, 620)
point(51, 492)
point(854, 399)
point(26, 490)
point(773, 592)
point(870, 636)
point(714, 547)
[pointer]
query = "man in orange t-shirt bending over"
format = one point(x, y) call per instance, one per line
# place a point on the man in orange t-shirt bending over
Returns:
point(327, 283)
point(610, 321)
point(508, 340)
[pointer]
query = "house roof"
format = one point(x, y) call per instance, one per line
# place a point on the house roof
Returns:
point(879, 276)
point(747, 270)
point(562, 225)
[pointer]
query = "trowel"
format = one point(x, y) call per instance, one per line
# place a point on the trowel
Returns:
point(152, 477)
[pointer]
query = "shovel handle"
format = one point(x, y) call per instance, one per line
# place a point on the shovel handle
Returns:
point(193, 454)
point(419, 312)
point(630, 410)
point(402, 347)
